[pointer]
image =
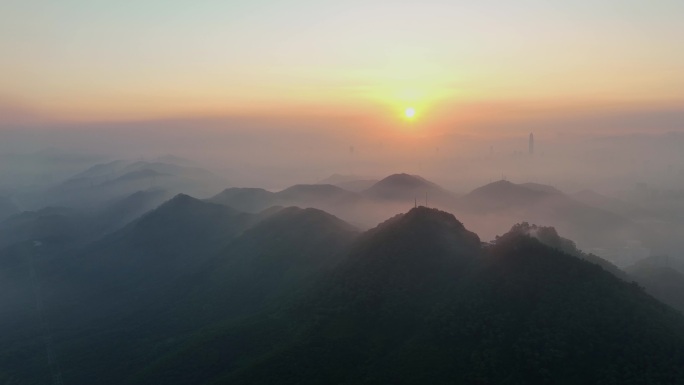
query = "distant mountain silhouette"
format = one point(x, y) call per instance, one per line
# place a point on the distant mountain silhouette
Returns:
point(101, 170)
point(25, 175)
point(419, 300)
point(491, 208)
point(353, 183)
point(591, 226)
point(407, 188)
point(251, 200)
point(143, 174)
point(332, 199)
point(503, 195)
point(119, 212)
point(365, 208)
point(312, 195)
point(118, 179)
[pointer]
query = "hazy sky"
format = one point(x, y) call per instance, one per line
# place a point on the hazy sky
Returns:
point(102, 60)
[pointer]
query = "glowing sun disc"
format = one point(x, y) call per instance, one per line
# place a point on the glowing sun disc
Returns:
point(410, 112)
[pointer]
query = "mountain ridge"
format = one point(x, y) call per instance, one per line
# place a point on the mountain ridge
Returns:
point(420, 300)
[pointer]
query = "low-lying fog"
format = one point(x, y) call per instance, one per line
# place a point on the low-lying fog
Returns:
point(619, 194)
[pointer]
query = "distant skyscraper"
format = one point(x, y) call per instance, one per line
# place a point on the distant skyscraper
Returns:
point(531, 145)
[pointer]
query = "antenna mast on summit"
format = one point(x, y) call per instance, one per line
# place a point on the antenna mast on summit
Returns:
point(415, 202)
point(426, 205)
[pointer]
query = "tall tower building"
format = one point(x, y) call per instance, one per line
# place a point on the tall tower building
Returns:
point(531, 144)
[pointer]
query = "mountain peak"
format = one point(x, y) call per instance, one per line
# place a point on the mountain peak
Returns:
point(504, 187)
point(503, 193)
point(422, 214)
point(181, 199)
point(309, 218)
point(313, 189)
point(405, 187)
point(405, 180)
point(421, 235)
point(240, 191)
point(183, 206)
point(499, 185)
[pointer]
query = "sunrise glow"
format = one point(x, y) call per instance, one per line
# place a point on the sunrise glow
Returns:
point(189, 59)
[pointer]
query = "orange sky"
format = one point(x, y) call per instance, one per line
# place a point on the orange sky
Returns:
point(455, 62)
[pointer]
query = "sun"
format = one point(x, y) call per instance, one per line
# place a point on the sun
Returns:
point(410, 112)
